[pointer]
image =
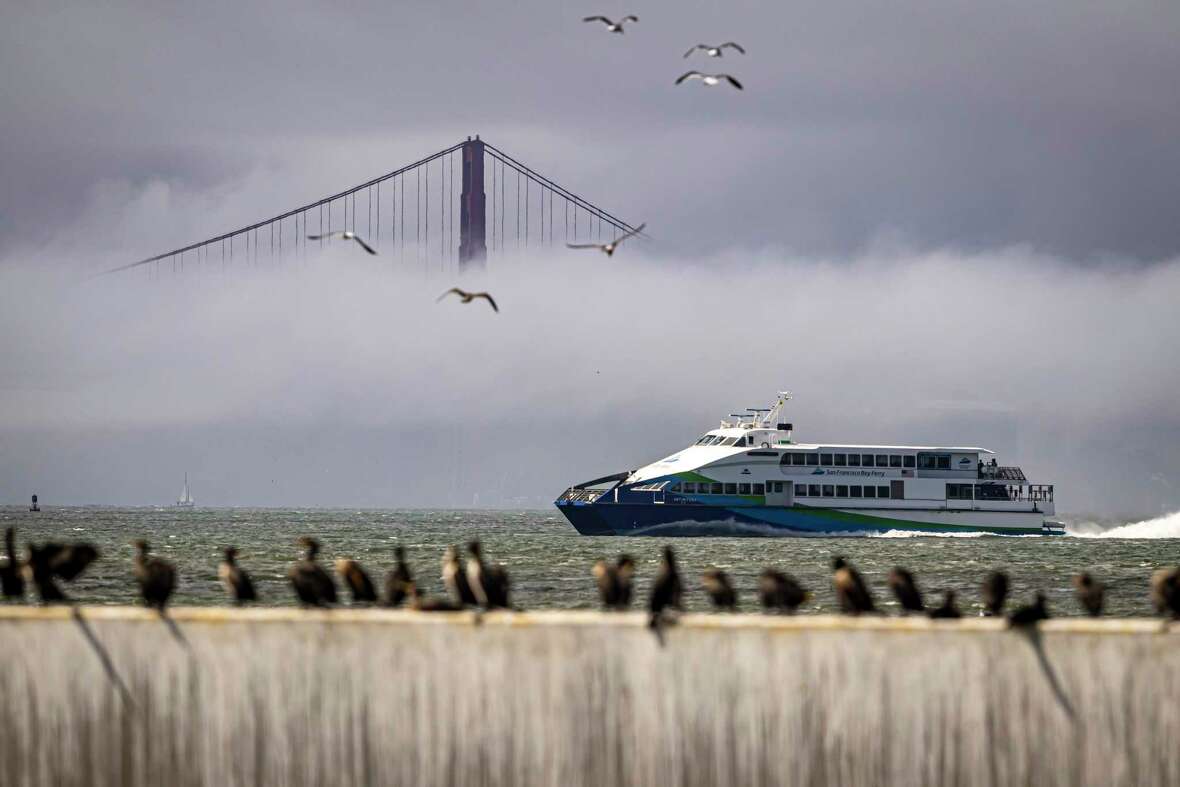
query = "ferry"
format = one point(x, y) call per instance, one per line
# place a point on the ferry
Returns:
point(750, 476)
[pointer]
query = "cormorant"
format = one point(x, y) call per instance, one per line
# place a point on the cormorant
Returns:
point(666, 592)
point(780, 592)
point(12, 583)
point(1165, 592)
point(455, 579)
point(70, 560)
point(39, 572)
point(156, 577)
point(720, 589)
point(948, 608)
point(995, 593)
point(489, 584)
point(1030, 613)
point(851, 591)
point(400, 581)
point(905, 589)
point(235, 579)
point(357, 581)
point(1090, 592)
point(313, 585)
point(422, 603)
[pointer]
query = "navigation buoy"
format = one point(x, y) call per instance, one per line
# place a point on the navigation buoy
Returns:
point(34, 506)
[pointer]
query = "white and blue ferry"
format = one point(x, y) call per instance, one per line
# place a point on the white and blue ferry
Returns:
point(750, 475)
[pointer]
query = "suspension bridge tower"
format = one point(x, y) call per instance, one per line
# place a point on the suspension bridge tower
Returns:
point(473, 248)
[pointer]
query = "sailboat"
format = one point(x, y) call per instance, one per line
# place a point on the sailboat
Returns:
point(186, 497)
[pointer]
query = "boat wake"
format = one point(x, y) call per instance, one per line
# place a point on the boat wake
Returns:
point(1167, 526)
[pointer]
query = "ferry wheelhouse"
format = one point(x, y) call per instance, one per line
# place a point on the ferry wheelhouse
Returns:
point(749, 475)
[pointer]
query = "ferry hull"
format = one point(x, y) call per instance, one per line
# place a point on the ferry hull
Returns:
point(607, 519)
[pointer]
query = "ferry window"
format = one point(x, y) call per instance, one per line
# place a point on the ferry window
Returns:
point(731, 489)
point(908, 460)
point(897, 490)
point(743, 489)
point(798, 458)
point(870, 491)
point(675, 488)
point(894, 460)
point(866, 460)
point(926, 461)
point(883, 491)
point(690, 488)
point(840, 459)
point(882, 460)
point(741, 440)
point(825, 459)
point(715, 489)
point(704, 440)
point(759, 489)
point(829, 490)
point(813, 458)
point(854, 460)
point(944, 462)
point(841, 491)
point(854, 491)
point(800, 490)
point(813, 490)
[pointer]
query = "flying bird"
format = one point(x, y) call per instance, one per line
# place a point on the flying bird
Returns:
point(905, 589)
point(612, 27)
point(715, 51)
point(357, 581)
point(851, 591)
point(468, 297)
point(312, 584)
point(780, 592)
point(709, 79)
point(607, 248)
point(156, 577)
point(1090, 592)
point(236, 581)
point(720, 589)
point(345, 235)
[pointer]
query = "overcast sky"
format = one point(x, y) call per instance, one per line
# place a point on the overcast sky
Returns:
point(950, 221)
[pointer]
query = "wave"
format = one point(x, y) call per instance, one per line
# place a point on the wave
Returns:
point(1167, 526)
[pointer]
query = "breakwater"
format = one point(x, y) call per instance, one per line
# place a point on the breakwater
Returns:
point(118, 696)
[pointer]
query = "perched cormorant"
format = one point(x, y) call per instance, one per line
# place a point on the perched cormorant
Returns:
point(489, 584)
point(1165, 592)
point(625, 571)
point(666, 592)
point(357, 581)
point(851, 591)
point(948, 608)
point(235, 579)
point(313, 585)
point(400, 581)
point(720, 589)
point(1090, 592)
point(39, 572)
point(156, 577)
point(70, 560)
point(12, 583)
point(995, 593)
point(614, 582)
point(455, 579)
point(422, 603)
point(1030, 613)
point(780, 592)
point(905, 589)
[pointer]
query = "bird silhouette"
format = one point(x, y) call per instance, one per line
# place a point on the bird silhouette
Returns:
point(40, 575)
point(715, 51)
point(1165, 592)
point(719, 589)
point(779, 592)
point(489, 584)
point(357, 581)
point(312, 584)
point(710, 80)
point(399, 583)
point(12, 581)
point(156, 577)
point(667, 593)
point(851, 592)
point(468, 297)
point(1090, 592)
point(234, 578)
point(344, 235)
point(608, 248)
point(995, 593)
point(612, 27)
point(432, 603)
point(68, 561)
point(455, 579)
point(905, 590)
point(1029, 614)
point(948, 610)
point(614, 582)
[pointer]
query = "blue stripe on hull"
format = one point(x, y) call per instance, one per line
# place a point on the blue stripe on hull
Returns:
point(605, 519)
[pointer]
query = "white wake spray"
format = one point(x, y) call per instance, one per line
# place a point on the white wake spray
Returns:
point(1167, 526)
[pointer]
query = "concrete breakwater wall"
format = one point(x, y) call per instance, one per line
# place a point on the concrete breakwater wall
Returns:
point(117, 696)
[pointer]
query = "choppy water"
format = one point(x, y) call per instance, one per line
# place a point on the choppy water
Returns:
point(550, 563)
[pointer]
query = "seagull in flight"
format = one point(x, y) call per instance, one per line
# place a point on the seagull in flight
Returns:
point(607, 248)
point(715, 51)
point(346, 235)
point(612, 27)
point(709, 79)
point(468, 297)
